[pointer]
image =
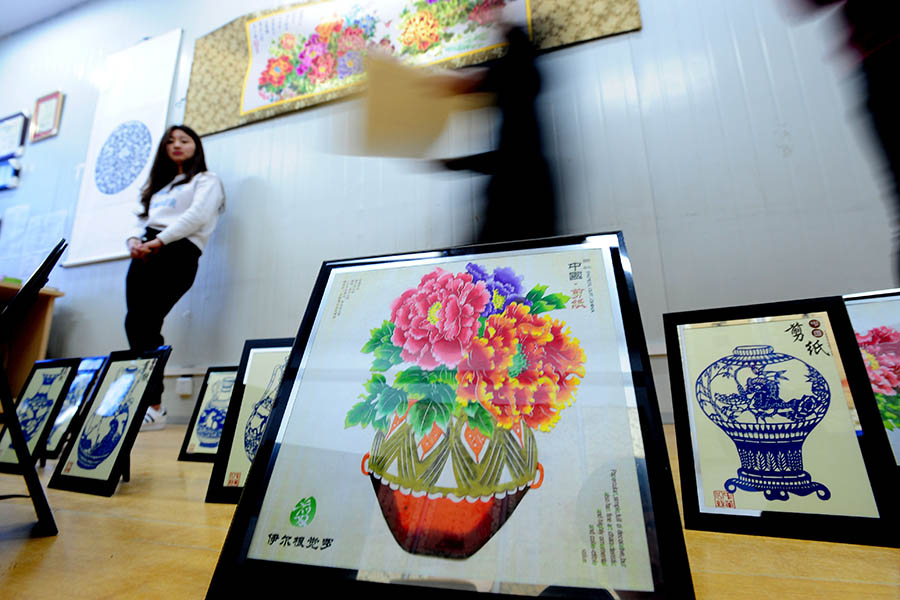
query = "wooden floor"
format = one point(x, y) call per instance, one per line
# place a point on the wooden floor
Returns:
point(156, 538)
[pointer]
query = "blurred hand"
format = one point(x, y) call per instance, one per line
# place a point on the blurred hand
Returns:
point(134, 245)
point(151, 247)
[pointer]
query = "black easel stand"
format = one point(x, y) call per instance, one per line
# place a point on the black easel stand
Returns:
point(13, 314)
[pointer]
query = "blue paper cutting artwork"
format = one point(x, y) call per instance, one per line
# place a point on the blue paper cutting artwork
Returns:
point(34, 410)
point(767, 402)
point(256, 424)
point(122, 157)
point(72, 401)
point(87, 368)
point(105, 427)
point(212, 418)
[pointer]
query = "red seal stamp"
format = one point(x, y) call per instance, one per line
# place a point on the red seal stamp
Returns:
point(234, 479)
point(724, 499)
point(817, 333)
point(815, 324)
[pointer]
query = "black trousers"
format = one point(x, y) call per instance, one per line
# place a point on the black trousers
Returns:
point(882, 98)
point(152, 288)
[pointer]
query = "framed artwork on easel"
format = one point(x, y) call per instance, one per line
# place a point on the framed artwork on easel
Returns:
point(875, 317)
point(41, 400)
point(778, 433)
point(201, 440)
point(252, 399)
point(480, 418)
point(73, 405)
point(97, 456)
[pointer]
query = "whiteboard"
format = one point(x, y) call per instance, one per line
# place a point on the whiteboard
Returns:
point(135, 87)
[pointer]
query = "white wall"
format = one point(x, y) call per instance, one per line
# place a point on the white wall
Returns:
point(722, 138)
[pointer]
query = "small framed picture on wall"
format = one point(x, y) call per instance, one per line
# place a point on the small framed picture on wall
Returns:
point(47, 114)
point(12, 135)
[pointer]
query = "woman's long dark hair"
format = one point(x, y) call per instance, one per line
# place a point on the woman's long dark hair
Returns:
point(164, 168)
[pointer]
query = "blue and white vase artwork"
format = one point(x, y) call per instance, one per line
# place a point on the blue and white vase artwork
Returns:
point(256, 424)
point(72, 402)
point(105, 427)
point(34, 410)
point(212, 418)
point(767, 402)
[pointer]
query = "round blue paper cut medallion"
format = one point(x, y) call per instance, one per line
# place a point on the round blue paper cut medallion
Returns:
point(122, 157)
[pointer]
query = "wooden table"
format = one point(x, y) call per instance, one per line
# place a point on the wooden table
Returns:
point(156, 538)
point(29, 342)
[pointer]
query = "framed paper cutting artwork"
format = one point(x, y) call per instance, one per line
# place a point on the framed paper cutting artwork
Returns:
point(41, 399)
point(252, 398)
point(98, 455)
point(445, 414)
point(777, 431)
point(876, 322)
point(79, 391)
point(201, 441)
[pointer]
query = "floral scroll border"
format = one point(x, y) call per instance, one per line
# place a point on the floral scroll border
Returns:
point(220, 58)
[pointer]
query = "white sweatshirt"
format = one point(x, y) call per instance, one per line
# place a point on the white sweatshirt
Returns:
point(185, 211)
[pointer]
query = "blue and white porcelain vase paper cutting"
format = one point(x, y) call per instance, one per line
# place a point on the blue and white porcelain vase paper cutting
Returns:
point(212, 417)
point(256, 424)
point(70, 404)
point(37, 407)
point(106, 426)
point(767, 402)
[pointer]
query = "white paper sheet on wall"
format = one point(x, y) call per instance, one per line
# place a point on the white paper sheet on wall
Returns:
point(15, 221)
point(25, 240)
point(135, 88)
point(12, 237)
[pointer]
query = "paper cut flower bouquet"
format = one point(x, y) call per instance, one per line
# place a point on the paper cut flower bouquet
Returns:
point(332, 56)
point(475, 365)
point(880, 349)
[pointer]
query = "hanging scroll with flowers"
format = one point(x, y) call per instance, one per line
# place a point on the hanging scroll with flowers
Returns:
point(312, 50)
point(268, 63)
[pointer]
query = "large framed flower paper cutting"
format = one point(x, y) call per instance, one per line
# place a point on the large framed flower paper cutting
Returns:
point(776, 428)
point(443, 412)
point(97, 456)
point(39, 404)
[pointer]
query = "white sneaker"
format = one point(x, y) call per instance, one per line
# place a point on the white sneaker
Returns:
point(154, 420)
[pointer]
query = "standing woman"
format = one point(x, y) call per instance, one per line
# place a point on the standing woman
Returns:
point(181, 203)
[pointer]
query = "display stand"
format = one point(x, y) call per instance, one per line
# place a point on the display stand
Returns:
point(9, 319)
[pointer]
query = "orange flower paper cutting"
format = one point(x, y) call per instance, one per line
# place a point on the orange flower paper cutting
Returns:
point(464, 370)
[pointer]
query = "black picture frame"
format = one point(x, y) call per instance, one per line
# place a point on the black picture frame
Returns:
point(852, 301)
point(236, 571)
point(187, 453)
point(41, 430)
point(62, 478)
point(16, 134)
point(217, 491)
point(879, 531)
point(76, 396)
